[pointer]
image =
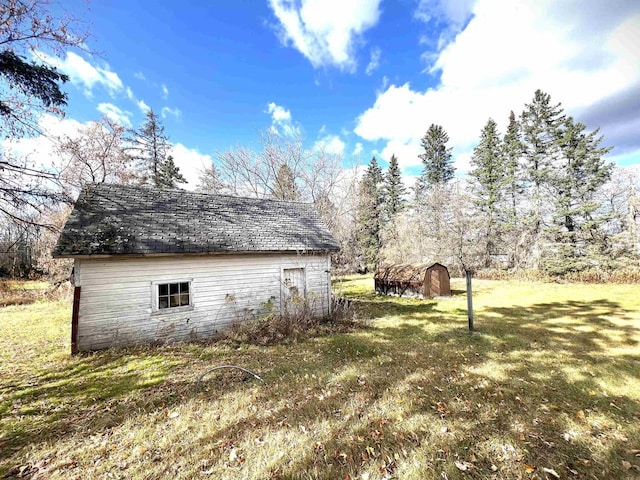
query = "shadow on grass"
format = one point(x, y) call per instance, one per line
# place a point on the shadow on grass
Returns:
point(94, 392)
point(440, 408)
point(526, 389)
point(584, 329)
point(381, 307)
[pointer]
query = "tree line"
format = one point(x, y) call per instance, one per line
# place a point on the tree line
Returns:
point(539, 196)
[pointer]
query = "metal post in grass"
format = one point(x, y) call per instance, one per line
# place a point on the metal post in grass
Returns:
point(469, 299)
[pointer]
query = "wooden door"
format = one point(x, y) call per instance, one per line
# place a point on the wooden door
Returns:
point(293, 288)
point(434, 283)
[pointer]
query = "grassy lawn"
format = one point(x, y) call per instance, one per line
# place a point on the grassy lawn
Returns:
point(547, 387)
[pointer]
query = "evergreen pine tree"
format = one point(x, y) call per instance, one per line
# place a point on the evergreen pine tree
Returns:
point(369, 215)
point(284, 187)
point(438, 165)
point(540, 122)
point(40, 83)
point(576, 234)
point(487, 185)
point(151, 146)
point(512, 180)
point(394, 190)
point(511, 154)
point(169, 175)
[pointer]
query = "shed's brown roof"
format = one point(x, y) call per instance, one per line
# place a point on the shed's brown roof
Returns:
point(407, 272)
point(132, 220)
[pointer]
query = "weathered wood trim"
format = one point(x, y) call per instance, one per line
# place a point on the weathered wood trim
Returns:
point(74, 320)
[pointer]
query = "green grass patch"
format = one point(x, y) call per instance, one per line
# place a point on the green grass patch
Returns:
point(548, 383)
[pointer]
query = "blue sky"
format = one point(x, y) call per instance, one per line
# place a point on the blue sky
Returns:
point(365, 77)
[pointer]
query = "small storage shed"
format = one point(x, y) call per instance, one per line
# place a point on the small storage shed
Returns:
point(413, 280)
point(156, 265)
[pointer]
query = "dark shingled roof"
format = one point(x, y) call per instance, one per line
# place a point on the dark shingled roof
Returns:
point(131, 220)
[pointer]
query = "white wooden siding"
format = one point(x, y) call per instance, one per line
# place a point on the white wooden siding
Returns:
point(116, 303)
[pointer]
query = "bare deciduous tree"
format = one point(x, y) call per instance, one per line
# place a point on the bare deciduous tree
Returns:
point(57, 269)
point(98, 154)
point(443, 229)
point(318, 175)
point(620, 199)
point(28, 88)
point(209, 180)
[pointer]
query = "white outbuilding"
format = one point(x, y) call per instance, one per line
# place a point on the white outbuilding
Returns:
point(154, 265)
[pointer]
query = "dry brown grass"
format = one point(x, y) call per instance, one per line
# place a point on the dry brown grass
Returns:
point(25, 292)
point(623, 275)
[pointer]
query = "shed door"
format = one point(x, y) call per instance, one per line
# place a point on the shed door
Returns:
point(293, 287)
point(434, 283)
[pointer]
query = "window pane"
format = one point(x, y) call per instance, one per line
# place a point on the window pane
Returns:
point(184, 299)
point(163, 302)
point(175, 300)
point(171, 295)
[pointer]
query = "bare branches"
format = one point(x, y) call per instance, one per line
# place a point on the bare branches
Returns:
point(26, 190)
point(28, 88)
point(282, 168)
point(97, 154)
point(28, 24)
point(255, 173)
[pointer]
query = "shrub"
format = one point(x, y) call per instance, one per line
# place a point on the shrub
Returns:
point(627, 274)
point(295, 324)
point(20, 292)
point(530, 275)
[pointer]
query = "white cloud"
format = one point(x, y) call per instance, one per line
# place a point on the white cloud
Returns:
point(165, 91)
point(84, 74)
point(278, 113)
point(506, 52)
point(115, 114)
point(139, 76)
point(444, 20)
point(450, 11)
point(166, 111)
point(374, 63)
point(331, 144)
point(281, 121)
point(357, 150)
point(325, 31)
point(190, 162)
point(383, 85)
point(40, 150)
point(144, 108)
point(406, 151)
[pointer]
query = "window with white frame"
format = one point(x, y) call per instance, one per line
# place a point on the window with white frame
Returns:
point(173, 295)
